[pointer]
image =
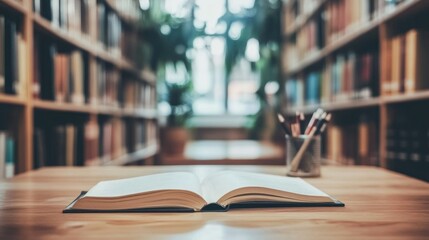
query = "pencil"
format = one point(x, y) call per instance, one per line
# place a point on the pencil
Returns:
point(313, 120)
point(297, 123)
point(284, 124)
point(301, 123)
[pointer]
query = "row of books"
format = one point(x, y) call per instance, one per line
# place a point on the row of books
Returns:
point(76, 17)
point(135, 50)
point(65, 76)
point(107, 79)
point(59, 75)
point(347, 77)
point(116, 90)
point(109, 29)
point(92, 143)
point(68, 15)
point(13, 57)
point(404, 57)
point(7, 155)
point(138, 95)
point(343, 16)
point(354, 143)
point(407, 147)
point(338, 17)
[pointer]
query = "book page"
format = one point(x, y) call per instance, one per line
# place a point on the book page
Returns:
point(163, 181)
point(221, 183)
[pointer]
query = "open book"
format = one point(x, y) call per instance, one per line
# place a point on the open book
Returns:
point(183, 191)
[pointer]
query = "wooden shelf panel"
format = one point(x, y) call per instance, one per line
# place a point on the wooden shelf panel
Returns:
point(90, 109)
point(144, 153)
point(106, 110)
point(14, 6)
point(63, 107)
point(11, 99)
point(140, 113)
point(406, 8)
point(402, 98)
point(364, 103)
point(337, 106)
point(73, 39)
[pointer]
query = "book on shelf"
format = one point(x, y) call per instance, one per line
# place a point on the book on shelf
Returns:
point(347, 77)
point(296, 11)
point(108, 29)
point(59, 76)
point(403, 56)
point(70, 15)
point(407, 144)
point(183, 191)
point(353, 143)
point(13, 59)
point(107, 140)
point(91, 140)
point(135, 94)
point(58, 144)
point(345, 16)
point(7, 155)
point(107, 79)
point(78, 144)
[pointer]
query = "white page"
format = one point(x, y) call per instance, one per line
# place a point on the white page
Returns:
point(221, 183)
point(163, 181)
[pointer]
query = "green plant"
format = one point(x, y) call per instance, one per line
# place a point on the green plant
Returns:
point(179, 99)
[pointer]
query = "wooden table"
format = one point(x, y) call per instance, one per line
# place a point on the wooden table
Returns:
point(379, 205)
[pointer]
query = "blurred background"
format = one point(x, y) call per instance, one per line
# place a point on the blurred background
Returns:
point(178, 82)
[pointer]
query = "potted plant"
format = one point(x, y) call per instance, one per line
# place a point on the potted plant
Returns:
point(175, 135)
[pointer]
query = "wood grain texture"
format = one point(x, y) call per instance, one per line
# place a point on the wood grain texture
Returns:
point(379, 205)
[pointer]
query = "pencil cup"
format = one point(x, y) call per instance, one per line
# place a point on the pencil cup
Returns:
point(309, 164)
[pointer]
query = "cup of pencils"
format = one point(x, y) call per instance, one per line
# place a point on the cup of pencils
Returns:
point(303, 143)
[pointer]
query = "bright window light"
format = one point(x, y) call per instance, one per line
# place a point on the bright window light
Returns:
point(209, 10)
point(235, 30)
point(165, 29)
point(252, 50)
point(144, 4)
point(236, 6)
point(217, 46)
point(199, 43)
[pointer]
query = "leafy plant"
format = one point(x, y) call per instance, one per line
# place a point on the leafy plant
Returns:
point(179, 99)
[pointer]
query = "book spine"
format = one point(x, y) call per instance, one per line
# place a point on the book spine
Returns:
point(10, 157)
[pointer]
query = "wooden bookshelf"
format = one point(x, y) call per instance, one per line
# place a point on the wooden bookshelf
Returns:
point(14, 6)
point(300, 22)
point(23, 117)
point(405, 9)
point(11, 99)
point(403, 98)
point(375, 32)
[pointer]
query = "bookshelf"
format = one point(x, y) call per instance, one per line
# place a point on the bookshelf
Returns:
point(330, 43)
point(91, 87)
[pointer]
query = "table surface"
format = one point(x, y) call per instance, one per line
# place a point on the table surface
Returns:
point(379, 205)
